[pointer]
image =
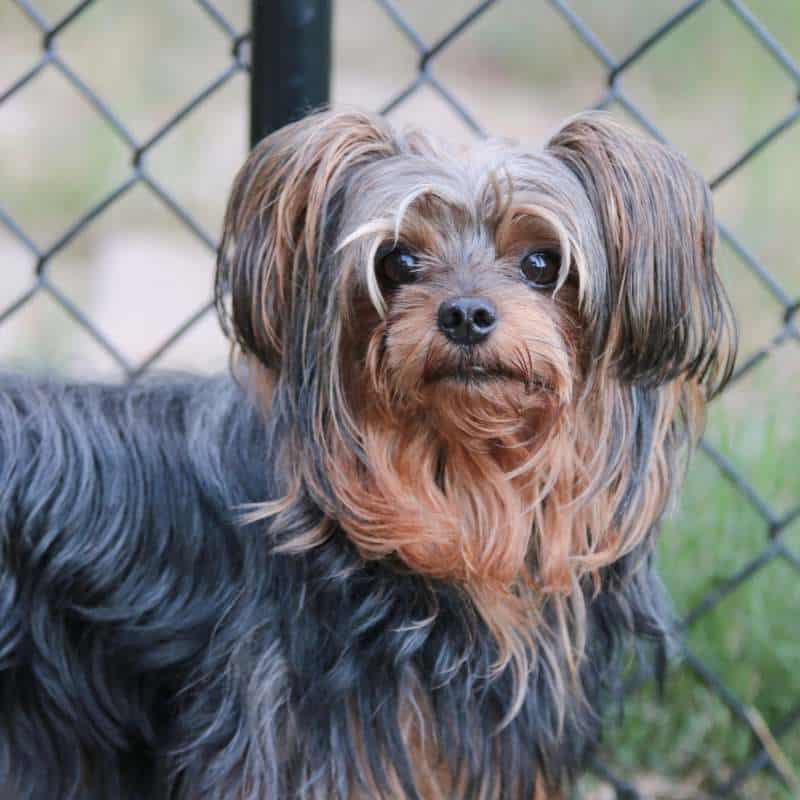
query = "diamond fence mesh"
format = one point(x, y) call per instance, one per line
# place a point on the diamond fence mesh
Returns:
point(777, 331)
point(139, 149)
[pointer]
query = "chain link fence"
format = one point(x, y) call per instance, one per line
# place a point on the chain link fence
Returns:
point(139, 149)
point(767, 754)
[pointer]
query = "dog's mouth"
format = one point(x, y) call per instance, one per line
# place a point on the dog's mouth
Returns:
point(478, 374)
point(473, 373)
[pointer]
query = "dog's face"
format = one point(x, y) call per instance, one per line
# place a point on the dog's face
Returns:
point(487, 359)
point(472, 269)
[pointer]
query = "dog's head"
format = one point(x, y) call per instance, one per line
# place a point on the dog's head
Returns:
point(487, 359)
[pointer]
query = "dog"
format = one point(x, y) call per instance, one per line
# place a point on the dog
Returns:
point(402, 549)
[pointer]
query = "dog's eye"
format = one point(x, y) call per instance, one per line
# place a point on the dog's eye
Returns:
point(398, 265)
point(541, 267)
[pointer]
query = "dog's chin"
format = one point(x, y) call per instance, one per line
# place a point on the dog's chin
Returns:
point(479, 404)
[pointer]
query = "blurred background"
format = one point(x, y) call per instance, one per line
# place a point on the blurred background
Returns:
point(139, 274)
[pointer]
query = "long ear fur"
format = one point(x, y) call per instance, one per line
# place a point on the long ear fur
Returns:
point(280, 219)
point(664, 312)
point(661, 339)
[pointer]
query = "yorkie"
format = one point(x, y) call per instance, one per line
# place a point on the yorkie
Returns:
point(400, 553)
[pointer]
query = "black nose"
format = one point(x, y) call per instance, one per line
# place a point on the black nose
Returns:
point(467, 320)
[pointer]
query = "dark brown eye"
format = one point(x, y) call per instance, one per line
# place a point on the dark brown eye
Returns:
point(541, 267)
point(397, 266)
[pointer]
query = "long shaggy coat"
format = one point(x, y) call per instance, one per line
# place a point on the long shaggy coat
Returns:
point(376, 565)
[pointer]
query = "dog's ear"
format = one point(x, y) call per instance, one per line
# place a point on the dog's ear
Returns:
point(280, 222)
point(662, 311)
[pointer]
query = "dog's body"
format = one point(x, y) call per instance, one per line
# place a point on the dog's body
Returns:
point(454, 559)
point(150, 641)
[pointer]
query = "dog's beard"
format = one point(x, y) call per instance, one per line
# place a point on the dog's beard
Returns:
point(453, 462)
point(454, 443)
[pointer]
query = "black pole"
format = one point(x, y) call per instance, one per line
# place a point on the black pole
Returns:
point(291, 62)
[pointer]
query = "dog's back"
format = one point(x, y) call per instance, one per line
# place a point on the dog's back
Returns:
point(118, 561)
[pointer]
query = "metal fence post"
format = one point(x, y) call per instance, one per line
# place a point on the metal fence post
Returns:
point(291, 58)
